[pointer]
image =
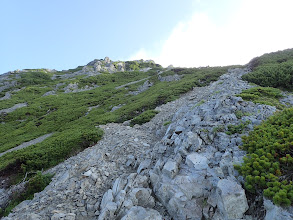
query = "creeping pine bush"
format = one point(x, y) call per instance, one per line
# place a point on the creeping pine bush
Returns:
point(233, 129)
point(263, 95)
point(279, 75)
point(33, 78)
point(270, 58)
point(51, 151)
point(268, 165)
point(35, 184)
point(144, 117)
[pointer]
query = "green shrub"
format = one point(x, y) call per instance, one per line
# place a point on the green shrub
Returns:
point(263, 95)
point(35, 184)
point(51, 151)
point(219, 128)
point(167, 123)
point(198, 104)
point(132, 65)
point(239, 114)
point(268, 165)
point(34, 77)
point(144, 117)
point(274, 57)
point(233, 129)
point(273, 75)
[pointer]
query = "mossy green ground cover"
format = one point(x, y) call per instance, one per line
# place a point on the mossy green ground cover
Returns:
point(263, 95)
point(273, 69)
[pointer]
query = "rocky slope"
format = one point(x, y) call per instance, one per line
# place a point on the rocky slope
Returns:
point(183, 170)
point(47, 116)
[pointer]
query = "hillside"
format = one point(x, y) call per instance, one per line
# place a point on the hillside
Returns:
point(167, 142)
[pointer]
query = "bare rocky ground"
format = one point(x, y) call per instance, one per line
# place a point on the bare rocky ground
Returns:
point(183, 170)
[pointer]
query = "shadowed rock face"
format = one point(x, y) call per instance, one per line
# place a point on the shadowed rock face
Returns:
point(180, 171)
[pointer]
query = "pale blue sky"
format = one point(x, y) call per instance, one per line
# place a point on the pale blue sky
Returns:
point(63, 34)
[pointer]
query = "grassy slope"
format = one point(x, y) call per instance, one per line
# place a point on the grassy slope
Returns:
point(273, 69)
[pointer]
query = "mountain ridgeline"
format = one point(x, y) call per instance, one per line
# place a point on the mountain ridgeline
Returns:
point(48, 116)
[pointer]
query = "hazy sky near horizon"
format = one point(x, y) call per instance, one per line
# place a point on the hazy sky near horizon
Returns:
point(190, 33)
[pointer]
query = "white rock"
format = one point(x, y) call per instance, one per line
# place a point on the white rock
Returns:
point(141, 213)
point(170, 169)
point(192, 139)
point(88, 173)
point(142, 197)
point(107, 60)
point(94, 176)
point(192, 186)
point(274, 212)
point(232, 201)
point(107, 197)
point(118, 186)
point(144, 165)
point(58, 216)
point(181, 208)
point(108, 212)
point(197, 161)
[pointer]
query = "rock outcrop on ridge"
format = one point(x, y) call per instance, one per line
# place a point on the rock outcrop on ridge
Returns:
point(183, 170)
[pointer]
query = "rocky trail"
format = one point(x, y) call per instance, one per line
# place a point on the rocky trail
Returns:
point(177, 166)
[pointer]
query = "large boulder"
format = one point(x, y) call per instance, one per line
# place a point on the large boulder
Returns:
point(274, 212)
point(232, 202)
point(138, 212)
point(197, 161)
point(107, 60)
point(170, 169)
point(121, 67)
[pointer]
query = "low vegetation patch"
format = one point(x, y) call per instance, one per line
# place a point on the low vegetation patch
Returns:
point(35, 184)
point(144, 117)
point(51, 151)
point(233, 129)
point(198, 104)
point(220, 128)
point(35, 78)
point(278, 75)
point(268, 165)
point(239, 114)
point(167, 123)
point(263, 95)
point(272, 58)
